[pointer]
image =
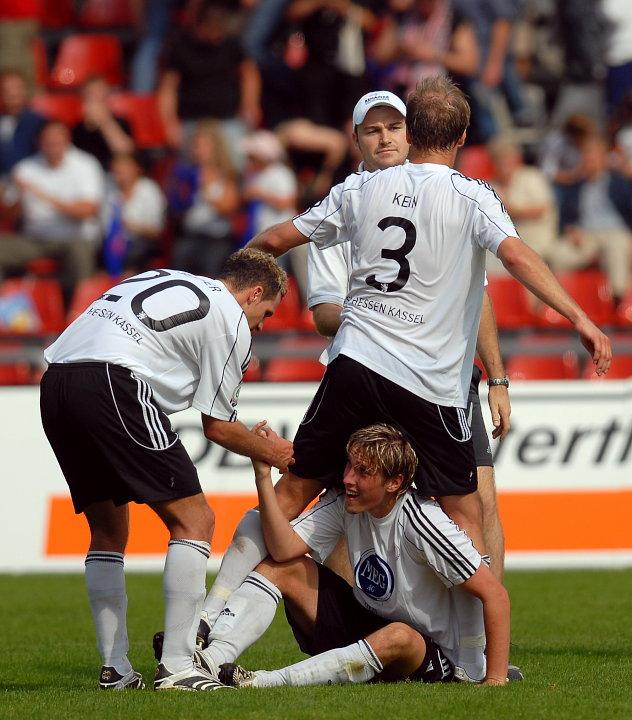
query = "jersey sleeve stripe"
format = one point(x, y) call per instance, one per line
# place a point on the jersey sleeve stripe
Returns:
point(219, 387)
point(315, 509)
point(439, 541)
point(467, 197)
point(441, 537)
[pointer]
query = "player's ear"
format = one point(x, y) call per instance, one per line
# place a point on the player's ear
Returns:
point(255, 294)
point(354, 135)
point(461, 140)
point(394, 484)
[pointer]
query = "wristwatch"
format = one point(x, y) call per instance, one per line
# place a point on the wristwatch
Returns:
point(498, 381)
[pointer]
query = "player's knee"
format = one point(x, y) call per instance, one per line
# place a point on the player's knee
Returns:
point(404, 640)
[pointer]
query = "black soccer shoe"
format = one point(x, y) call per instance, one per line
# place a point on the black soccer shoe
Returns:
point(514, 673)
point(235, 676)
point(203, 631)
point(157, 643)
point(192, 679)
point(109, 679)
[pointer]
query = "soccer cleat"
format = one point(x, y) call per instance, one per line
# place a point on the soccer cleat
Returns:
point(207, 664)
point(235, 676)
point(192, 679)
point(157, 643)
point(204, 629)
point(514, 674)
point(109, 679)
point(461, 676)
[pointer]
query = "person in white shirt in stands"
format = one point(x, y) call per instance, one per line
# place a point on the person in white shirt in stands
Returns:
point(59, 191)
point(398, 620)
point(154, 344)
point(403, 355)
point(138, 205)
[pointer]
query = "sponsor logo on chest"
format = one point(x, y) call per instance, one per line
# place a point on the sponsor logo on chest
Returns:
point(374, 576)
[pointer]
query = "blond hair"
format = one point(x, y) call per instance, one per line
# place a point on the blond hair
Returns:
point(437, 114)
point(248, 267)
point(384, 449)
point(213, 130)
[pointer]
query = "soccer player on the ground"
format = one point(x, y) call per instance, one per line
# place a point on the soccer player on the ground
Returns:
point(399, 619)
point(156, 343)
point(418, 234)
point(380, 136)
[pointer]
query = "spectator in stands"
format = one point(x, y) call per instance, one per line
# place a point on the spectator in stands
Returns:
point(205, 194)
point(618, 52)
point(19, 24)
point(528, 197)
point(601, 233)
point(207, 76)
point(560, 160)
point(100, 133)
point(59, 192)
point(432, 38)
point(270, 192)
point(134, 217)
point(153, 23)
point(19, 126)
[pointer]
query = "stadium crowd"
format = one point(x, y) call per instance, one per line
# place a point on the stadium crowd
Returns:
point(163, 133)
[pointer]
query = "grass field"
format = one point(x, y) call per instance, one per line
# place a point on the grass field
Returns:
point(572, 635)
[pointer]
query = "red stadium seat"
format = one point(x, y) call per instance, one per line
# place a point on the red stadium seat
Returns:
point(63, 107)
point(288, 314)
point(591, 290)
point(44, 310)
point(16, 374)
point(106, 14)
point(293, 370)
point(56, 14)
point(543, 367)
point(81, 56)
point(620, 369)
point(511, 303)
point(475, 162)
point(86, 292)
point(42, 267)
point(141, 111)
point(41, 62)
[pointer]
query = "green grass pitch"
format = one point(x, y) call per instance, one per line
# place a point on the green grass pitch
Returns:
point(572, 635)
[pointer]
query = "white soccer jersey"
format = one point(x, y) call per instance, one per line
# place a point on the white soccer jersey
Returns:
point(418, 235)
point(404, 564)
point(185, 335)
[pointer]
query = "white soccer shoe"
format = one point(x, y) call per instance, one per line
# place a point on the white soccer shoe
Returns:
point(191, 679)
point(514, 674)
point(109, 679)
point(235, 676)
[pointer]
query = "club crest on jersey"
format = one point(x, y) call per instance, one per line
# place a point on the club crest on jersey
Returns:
point(374, 577)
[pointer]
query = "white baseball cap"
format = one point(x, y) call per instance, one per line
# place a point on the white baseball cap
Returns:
point(375, 99)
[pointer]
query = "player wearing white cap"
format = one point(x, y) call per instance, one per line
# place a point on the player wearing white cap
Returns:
point(418, 234)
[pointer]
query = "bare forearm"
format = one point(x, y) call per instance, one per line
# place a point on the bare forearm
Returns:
point(77, 210)
point(278, 239)
point(236, 437)
point(531, 270)
point(487, 344)
point(496, 615)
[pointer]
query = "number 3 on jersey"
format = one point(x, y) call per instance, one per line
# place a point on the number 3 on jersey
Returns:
point(397, 254)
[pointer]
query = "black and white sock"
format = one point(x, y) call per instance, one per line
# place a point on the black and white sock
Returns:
point(105, 581)
point(184, 590)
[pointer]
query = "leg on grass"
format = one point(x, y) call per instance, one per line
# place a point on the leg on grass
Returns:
point(105, 581)
point(190, 522)
point(492, 526)
point(248, 548)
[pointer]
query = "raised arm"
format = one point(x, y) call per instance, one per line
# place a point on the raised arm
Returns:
point(282, 542)
point(529, 268)
point(488, 349)
point(278, 239)
point(496, 614)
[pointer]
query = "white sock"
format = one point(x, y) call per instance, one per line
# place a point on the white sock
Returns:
point(105, 580)
point(355, 663)
point(246, 551)
point(246, 616)
point(469, 610)
point(184, 588)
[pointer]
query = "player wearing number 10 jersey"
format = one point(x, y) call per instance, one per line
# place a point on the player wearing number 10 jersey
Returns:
point(404, 352)
point(156, 343)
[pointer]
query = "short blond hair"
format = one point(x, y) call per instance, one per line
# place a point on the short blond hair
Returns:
point(249, 267)
point(384, 449)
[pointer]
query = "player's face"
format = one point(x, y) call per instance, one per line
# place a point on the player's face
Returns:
point(381, 138)
point(257, 310)
point(365, 490)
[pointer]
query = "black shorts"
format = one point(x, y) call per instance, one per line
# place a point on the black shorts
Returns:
point(341, 620)
point(350, 397)
point(482, 448)
point(111, 439)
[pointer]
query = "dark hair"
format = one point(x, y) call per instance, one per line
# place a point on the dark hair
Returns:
point(52, 123)
point(249, 267)
point(437, 114)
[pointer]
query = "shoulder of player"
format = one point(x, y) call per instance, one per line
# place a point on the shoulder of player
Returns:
point(423, 517)
point(472, 189)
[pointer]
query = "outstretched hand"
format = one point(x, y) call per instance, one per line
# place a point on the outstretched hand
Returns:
point(597, 344)
point(500, 408)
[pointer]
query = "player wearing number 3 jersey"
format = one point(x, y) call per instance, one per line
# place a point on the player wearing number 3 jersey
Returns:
point(156, 343)
point(403, 355)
